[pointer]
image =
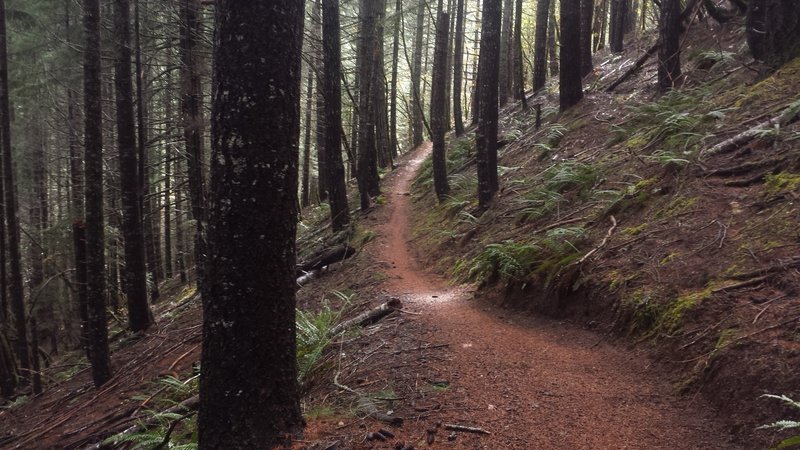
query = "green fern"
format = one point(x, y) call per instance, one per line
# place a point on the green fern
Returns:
point(782, 425)
point(509, 260)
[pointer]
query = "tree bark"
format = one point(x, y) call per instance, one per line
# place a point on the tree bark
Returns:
point(305, 183)
point(570, 80)
point(587, 9)
point(619, 15)
point(139, 316)
point(191, 105)
point(486, 135)
point(416, 78)
point(540, 45)
point(332, 89)
point(393, 144)
point(504, 89)
point(669, 53)
point(519, 70)
point(370, 63)
point(458, 69)
point(16, 287)
point(438, 100)
point(553, 40)
point(319, 135)
point(248, 386)
point(148, 212)
point(97, 334)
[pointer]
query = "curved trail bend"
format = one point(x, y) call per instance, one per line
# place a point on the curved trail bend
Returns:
point(535, 383)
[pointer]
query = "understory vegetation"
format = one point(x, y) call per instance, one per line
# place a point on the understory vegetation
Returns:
point(628, 216)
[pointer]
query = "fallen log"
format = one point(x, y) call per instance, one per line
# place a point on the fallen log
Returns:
point(369, 317)
point(334, 255)
point(635, 67)
point(789, 115)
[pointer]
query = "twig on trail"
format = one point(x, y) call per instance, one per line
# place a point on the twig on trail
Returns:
point(464, 428)
point(175, 363)
point(405, 311)
point(602, 244)
point(766, 305)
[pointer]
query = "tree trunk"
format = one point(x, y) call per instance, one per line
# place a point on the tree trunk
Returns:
point(370, 64)
point(191, 105)
point(540, 45)
point(458, 68)
point(486, 134)
point(669, 54)
point(553, 40)
point(139, 316)
point(248, 388)
point(504, 89)
point(97, 334)
point(393, 144)
point(570, 81)
point(519, 70)
point(587, 9)
point(332, 89)
point(619, 15)
point(16, 287)
point(168, 266)
point(148, 212)
point(305, 198)
point(438, 100)
point(322, 159)
point(416, 78)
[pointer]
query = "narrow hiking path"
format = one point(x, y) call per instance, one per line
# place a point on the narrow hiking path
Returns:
point(532, 382)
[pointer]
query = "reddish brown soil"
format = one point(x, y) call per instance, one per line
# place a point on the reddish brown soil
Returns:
point(532, 383)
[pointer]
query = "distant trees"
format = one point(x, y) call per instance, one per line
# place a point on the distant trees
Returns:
point(248, 385)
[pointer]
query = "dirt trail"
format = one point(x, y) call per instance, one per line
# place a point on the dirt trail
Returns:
point(536, 383)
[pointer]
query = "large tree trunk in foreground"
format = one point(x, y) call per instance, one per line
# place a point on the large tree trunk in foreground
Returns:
point(97, 335)
point(248, 386)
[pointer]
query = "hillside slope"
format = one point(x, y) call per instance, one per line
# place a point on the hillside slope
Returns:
point(616, 215)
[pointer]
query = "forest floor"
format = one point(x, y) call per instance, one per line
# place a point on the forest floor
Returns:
point(530, 382)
